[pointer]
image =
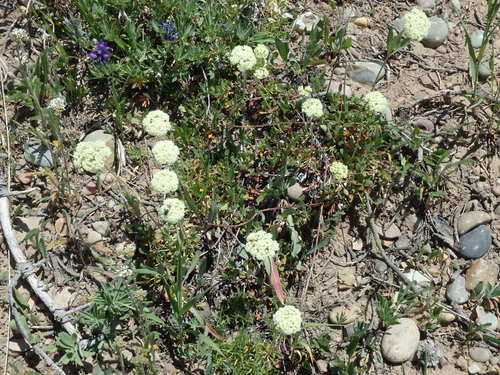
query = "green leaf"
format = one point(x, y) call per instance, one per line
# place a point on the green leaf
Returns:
point(282, 49)
point(209, 342)
point(347, 43)
point(154, 318)
point(20, 300)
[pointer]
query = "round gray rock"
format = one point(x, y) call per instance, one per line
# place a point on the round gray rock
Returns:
point(426, 3)
point(380, 266)
point(438, 33)
point(475, 243)
point(425, 125)
point(366, 72)
point(456, 292)
point(295, 192)
point(479, 354)
point(476, 38)
point(471, 219)
point(39, 155)
point(400, 341)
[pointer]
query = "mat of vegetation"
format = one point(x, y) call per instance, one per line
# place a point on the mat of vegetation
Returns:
point(250, 187)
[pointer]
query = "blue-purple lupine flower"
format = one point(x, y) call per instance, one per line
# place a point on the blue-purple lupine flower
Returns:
point(101, 54)
point(168, 28)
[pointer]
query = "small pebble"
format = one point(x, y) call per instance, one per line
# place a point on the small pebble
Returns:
point(366, 72)
point(476, 38)
point(93, 237)
point(438, 33)
point(475, 243)
point(322, 365)
point(344, 314)
point(470, 220)
point(38, 155)
point(388, 232)
point(496, 190)
point(101, 227)
point(486, 317)
point(400, 341)
point(295, 192)
point(426, 3)
point(479, 354)
point(455, 5)
point(90, 188)
point(474, 368)
point(483, 271)
point(418, 278)
point(446, 317)
point(425, 125)
point(484, 71)
point(380, 266)
point(362, 21)
point(456, 292)
point(25, 178)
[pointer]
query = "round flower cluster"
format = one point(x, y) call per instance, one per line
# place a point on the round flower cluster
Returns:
point(19, 35)
point(261, 245)
point(313, 108)
point(261, 73)
point(126, 249)
point(376, 101)
point(57, 104)
point(91, 156)
point(304, 90)
point(261, 52)
point(172, 210)
point(288, 319)
point(339, 170)
point(416, 24)
point(243, 57)
point(165, 181)
point(165, 152)
point(157, 123)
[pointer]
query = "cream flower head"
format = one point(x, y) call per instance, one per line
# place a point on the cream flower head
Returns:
point(157, 123)
point(243, 57)
point(261, 73)
point(19, 35)
point(165, 181)
point(261, 245)
point(416, 24)
point(57, 104)
point(376, 101)
point(91, 156)
point(261, 51)
point(313, 108)
point(172, 210)
point(165, 152)
point(288, 319)
point(339, 170)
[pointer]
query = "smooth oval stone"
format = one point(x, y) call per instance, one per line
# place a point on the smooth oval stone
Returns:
point(426, 3)
point(366, 72)
point(39, 155)
point(484, 71)
point(438, 33)
point(476, 38)
point(475, 243)
point(479, 354)
point(425, 125)
point(400, 341)
point(295, 192)
point(344, 314)
point(486, 317)
point(470, 220)
point(481, 271)
point(380, 266)
point(456, 292)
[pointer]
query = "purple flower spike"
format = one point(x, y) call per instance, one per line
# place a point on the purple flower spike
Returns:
point(101, 54)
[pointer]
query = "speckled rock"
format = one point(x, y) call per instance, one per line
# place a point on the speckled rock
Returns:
point(475, 243)
point(400, 341)
point(295, 192)
point(470, 220)
point(481, 271)
point(438, 33)
point(456, 292)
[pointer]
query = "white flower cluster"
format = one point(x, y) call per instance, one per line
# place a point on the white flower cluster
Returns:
point(172, 210)
point(91, 156)
point(288, 319)
point(126, 249)
point(19, 35)
point(339, 170)
point(165, 152)
point(376, 101)
point(243, 57)
point(165, 181)
point(304, 90)
point(261, 245)
point(313, 108)
point(416, 24)
point(157, 123)
point(57, 104)
point(247, 59)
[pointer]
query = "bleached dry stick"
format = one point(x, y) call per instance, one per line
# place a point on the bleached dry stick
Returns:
point(36, 285)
